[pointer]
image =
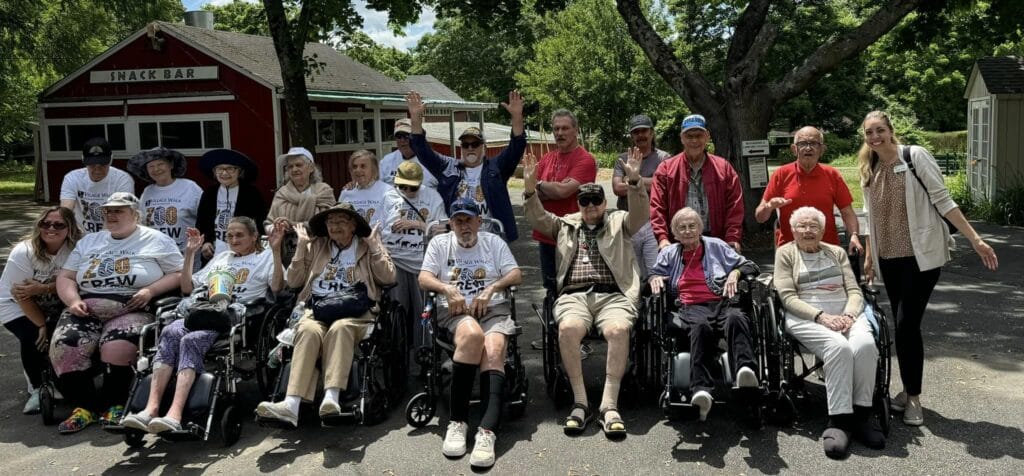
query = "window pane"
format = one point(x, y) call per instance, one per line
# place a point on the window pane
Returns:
point(368, 131)
point(387, 127)
point(213, 133)
point(58, 142)
point(148, 137)
point(181, 135)
point(115, 135)
point(326, 135)
point(346, 130)
point(78, 134)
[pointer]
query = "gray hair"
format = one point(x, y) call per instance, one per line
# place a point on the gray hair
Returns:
point(564, 113)
point(686, 212)
point(804, 213)
point(315, 177)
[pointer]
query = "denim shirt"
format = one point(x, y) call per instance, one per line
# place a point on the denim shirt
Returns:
point(493, 178)
point(719, 259)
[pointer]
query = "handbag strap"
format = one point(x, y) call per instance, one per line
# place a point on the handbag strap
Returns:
point(413, 207)
point(905, 150)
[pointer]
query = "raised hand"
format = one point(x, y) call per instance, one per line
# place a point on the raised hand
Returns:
point(778, 202)
point(276, 236)
point(514, 106)
point(193, 241)
point(414, 102)
point(302, 232)
point(632, 165)
point(529, 172)
point(373, 241)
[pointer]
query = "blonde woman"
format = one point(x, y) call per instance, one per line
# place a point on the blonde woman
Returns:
point(366, 191)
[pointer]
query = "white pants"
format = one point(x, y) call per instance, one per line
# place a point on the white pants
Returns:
point(850, 361)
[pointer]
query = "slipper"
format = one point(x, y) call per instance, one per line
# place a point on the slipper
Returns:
point(613, 427)
point(575, 425)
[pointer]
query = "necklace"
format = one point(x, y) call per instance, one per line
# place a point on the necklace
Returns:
point(694, 256)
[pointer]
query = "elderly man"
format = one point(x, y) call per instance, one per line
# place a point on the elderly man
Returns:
point(560, 173)
point(704, 182)
point(598, 284)
point(403, 153)
point(469, 270)
point(806, 183)
point(84, 190)
point(641, 133)
point(483, 179)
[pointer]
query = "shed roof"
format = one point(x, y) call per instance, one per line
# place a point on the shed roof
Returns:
point(430, 87)
point(438, 132)
point(1002, 74)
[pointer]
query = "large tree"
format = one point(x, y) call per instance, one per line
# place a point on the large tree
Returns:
point(724, 62)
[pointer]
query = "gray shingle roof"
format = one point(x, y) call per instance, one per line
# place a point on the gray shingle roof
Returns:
point(1002, 74)
point(256, 55)
point(430, 87)
point(438, 132)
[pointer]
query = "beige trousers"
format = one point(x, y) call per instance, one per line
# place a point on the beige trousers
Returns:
point(334, 346)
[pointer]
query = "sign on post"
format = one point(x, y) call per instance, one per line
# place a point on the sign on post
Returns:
point(756, 153)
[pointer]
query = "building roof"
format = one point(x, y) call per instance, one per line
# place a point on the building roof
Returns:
point(438, 132)
point(430, 87)
point(1002, 74)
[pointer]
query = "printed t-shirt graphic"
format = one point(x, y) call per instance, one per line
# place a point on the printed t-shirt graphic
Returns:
point(252, 273)
point(89, 196)
point(469, 269)
point(172, 209)
point(406, 247)
point(227, 200)
point(369, 202)
point(104, 265)
point(339, 272)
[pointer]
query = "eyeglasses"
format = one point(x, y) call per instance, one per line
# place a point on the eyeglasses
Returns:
point(225, 169)
point(471, 145)
point(408, 188)
point(689, 227)
point(52, 225)
point(402, 136)
point(808, 145)
point(807, 227)
point(588, 201)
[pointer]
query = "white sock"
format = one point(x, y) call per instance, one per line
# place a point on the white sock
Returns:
point(579, 390)
point(610, 399)
point(293, 402)
point(332, 394)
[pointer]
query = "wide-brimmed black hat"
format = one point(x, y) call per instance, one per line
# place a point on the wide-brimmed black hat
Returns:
point(137, 164)
point(318, 224)
point(217, 157)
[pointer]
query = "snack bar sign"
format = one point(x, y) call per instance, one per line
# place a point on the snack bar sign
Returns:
point(148, 75)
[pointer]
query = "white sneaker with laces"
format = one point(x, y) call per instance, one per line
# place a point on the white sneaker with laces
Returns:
point(746, 378)
point(277, 411)
point(703, 401)
point(483, 449)
point(32, 405)
point(455, 439)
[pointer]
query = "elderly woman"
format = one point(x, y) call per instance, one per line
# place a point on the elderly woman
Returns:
point(169, 203)
point(302, 195)
point(106, 284)
point(182, 348)
point(344, 255)
point(366, 191)
point(28, 290)
point(702, 273)
point(234, 195)
point(824, 311)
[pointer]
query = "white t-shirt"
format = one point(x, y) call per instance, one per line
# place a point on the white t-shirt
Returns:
point(104, 265)
point(252, 273)
point(406, 247)
point(227, 200)
point(21, 265)
point(172, 209)
point(470, 187)
point(89, 196)
point(821, 283)
point(472, 269)
point(369, 202)
point(339, 272)
point(389, 168)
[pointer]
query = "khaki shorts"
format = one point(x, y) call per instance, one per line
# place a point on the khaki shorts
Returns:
point(593, 308)
point(498, 319)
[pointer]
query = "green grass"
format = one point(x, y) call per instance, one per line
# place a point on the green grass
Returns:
point(852, 178)
point(17, 178)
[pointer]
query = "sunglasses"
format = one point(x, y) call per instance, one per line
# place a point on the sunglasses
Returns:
point(55, 225)
point(401, 135)
point(588, 201)
point(471, 145)
point(408, 188)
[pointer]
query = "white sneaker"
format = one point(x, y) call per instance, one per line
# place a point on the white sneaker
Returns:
point(277, 411)
point(137, 421)
point(455, 439)
point(483, 449)
point(164, 424)
point(329, 408)
point(702, 400)
point(746, 378)
point(32, 405)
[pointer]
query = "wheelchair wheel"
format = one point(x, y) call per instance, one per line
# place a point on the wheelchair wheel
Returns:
point(780, 409)
point(266, 377)
point(420, 410)
point(134, 438)
point(230, 425)
point(47, 405)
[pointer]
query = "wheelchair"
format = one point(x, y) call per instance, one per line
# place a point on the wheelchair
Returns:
point(213, 404)
point(672, 360)
point(377, 381)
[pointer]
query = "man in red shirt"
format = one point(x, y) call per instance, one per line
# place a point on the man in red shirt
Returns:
point(560, 173)
point(807, 183)
point(704, 182)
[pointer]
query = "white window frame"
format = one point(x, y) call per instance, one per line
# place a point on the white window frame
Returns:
point(131, 132)
point(360, 117)
point(135, 121)
point(74, 152)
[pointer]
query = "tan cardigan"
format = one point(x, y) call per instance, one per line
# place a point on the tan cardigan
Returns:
point(613, 241)
point(311, 259)
point(787, 275)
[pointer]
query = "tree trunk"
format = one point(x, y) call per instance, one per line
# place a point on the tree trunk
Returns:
point(289, 46)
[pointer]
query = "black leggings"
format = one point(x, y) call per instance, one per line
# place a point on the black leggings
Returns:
point(909, 289)
point(32, 360)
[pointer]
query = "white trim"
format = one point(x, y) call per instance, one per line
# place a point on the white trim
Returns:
point(102, 56)
point(171, 100)
point(377, 132)
point(275, 106)
point(48, 105)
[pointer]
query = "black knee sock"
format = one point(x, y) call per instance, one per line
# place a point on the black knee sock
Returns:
point(117, 383)
point(79, 390)
point(492, 389)
point(463, 376)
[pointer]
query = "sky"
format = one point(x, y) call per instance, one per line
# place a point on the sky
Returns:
point(374, 23)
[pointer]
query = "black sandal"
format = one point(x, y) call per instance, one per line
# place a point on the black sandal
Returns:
point(574, 425)
point(612, 427)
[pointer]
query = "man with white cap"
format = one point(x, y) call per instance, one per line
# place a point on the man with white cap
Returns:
point(403, 153)
point(704, 182)
point(641, 134)
point(85, 190)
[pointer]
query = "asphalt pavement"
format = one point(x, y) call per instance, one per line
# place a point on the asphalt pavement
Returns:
point(973, 379)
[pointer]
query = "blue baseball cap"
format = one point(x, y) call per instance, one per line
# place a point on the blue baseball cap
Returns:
point(465, 206)
point(695, 121)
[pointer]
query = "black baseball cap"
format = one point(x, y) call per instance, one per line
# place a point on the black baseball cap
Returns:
point(96, 151)
point(640, 121)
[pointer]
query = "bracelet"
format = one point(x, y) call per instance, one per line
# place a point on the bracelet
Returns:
point(529, 194)
point(817, 316)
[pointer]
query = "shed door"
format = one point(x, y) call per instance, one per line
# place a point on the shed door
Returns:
point(979, 154)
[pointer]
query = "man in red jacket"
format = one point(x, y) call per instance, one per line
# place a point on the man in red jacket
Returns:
point(704, 182)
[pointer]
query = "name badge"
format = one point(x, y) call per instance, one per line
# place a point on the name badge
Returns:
point(899, 169)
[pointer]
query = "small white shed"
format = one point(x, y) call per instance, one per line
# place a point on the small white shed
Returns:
point(995, 125)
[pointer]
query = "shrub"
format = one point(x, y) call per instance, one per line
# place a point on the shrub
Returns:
point(947, 142)
point(1008, 207)
point(960, 191)
point(605, 160)
point(839, 146)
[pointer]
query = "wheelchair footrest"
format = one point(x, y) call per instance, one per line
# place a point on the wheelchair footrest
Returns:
point(192, 433)
point(274, 423)
point(115, 429)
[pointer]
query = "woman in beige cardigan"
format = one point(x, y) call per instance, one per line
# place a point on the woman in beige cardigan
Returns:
point(342, 253)
point(302, 195)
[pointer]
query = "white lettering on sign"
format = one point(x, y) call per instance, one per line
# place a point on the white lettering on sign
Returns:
point(755, 147)
point(189, 73)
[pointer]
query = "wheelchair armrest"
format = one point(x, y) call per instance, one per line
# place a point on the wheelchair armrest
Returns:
point(868, 289)
point(167, 301)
